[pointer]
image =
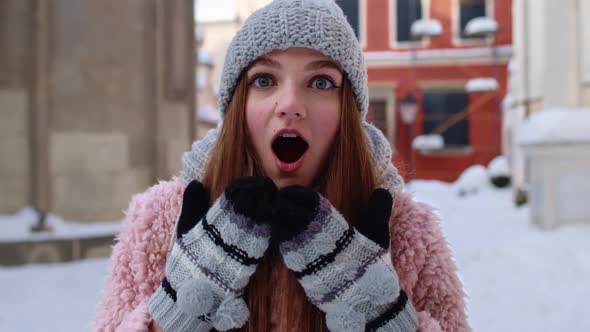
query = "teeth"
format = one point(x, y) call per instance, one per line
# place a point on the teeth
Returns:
point(289, 135)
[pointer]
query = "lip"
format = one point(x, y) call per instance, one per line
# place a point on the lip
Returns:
point(288, 131)
point(288, 167)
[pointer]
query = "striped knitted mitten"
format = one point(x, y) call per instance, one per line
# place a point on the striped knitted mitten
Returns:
point(214, 256)
point(346, 272)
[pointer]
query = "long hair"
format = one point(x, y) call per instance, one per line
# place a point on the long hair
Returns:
point(346, 180)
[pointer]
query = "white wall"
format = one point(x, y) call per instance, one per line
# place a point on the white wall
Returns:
point(562, 86)
point(584, 27)
point(528, 45)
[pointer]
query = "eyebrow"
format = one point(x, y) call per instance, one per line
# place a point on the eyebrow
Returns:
point(319, 64)
point(264, 61)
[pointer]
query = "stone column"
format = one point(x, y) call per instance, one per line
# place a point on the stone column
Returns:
point(16, 26)
point(561, 68)
point(40, 109)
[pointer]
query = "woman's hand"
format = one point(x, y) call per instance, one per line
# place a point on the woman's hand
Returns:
point(345, 271)
point(215, 253)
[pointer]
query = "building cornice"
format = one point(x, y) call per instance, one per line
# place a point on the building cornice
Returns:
point(454, 56)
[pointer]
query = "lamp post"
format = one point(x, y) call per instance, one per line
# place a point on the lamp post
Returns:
point(408, 109)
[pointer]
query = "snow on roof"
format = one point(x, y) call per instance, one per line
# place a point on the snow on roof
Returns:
point(557, 125)
point(481, 26)
point(208, 114)
point(426, 28)
point(499, 167)
point(428, 142)
point(205, 58)
point(481, 85)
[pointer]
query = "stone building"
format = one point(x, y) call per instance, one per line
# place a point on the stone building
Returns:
point(550, 67)
point(546, 135)
point(426, 61)
point(96, 102)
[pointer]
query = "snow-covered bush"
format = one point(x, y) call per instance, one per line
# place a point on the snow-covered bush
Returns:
point(472, 181)
point(499, 172)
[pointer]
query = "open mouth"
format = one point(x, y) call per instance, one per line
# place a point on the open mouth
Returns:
point(289, 147)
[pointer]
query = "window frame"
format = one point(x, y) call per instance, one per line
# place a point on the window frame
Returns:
point(458, 40)
point(386, 91)
point(393, 42)
point(447, 87)
point(362, 12)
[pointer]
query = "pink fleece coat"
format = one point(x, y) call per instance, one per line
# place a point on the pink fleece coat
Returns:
point(420, 255)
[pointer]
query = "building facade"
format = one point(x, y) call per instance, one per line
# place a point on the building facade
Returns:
point(96, 102)
point(550, 68)
point(433, 68)
point(548, 110)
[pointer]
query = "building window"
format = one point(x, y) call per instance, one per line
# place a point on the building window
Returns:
point(377, 114)
point(447, 112)
point(351, 11)
point(407, 11)
point(468, 10)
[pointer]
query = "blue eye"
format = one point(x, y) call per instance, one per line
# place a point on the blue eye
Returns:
point(262, 81)
point(322, 83)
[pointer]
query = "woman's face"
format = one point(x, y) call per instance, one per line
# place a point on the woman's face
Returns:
point(293, 113)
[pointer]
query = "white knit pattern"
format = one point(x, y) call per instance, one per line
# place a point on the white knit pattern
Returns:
point(312, 24)
point(345, 274)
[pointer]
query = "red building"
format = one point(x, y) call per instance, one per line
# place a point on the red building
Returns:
point(432, 69)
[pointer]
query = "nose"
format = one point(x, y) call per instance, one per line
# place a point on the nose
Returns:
point(290, 104)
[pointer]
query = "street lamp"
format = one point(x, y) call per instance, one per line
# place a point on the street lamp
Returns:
point(408, 109)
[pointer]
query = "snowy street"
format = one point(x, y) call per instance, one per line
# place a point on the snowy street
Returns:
point(517, 277)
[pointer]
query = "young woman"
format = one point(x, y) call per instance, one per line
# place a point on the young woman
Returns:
point(289, 216)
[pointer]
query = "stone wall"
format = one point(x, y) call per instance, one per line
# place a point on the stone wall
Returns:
point(15, 36)
point(87, 114)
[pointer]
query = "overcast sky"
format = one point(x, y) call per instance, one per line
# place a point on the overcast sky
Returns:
point(214, 10)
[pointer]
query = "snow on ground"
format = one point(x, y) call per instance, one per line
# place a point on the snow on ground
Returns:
point(17, 227)
point(518, 277)
point(58, 297)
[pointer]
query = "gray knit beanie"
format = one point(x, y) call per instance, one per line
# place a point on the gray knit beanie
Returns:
point(314, 24)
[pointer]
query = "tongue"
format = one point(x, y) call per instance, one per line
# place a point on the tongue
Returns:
point(289, 150)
